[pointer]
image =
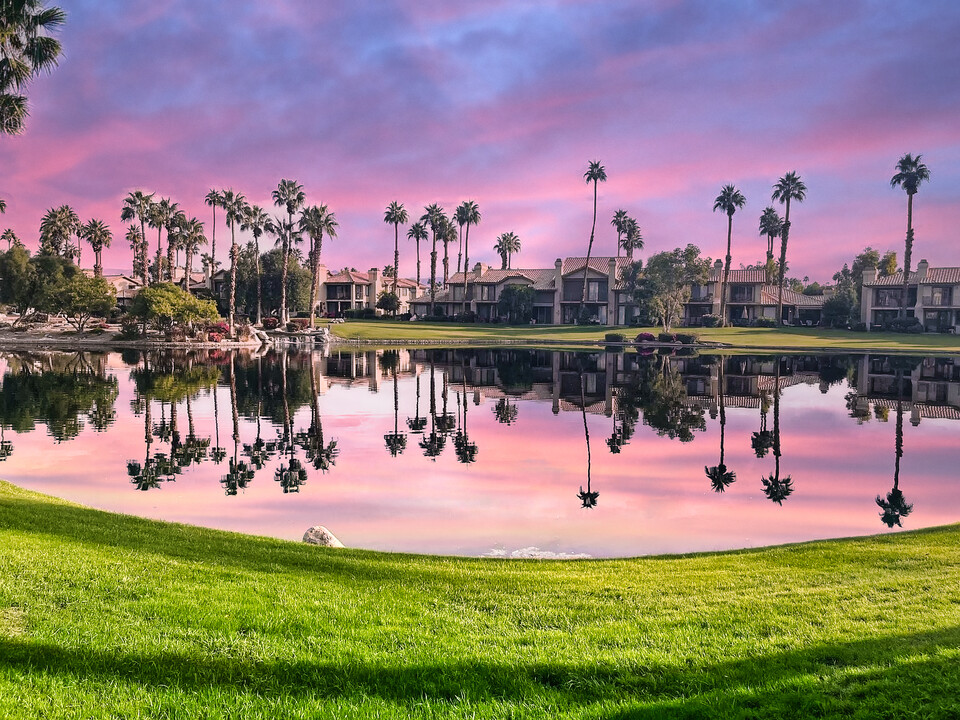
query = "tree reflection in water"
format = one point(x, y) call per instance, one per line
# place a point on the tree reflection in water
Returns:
point(720, 478)
point(895, 507)
point(465, 448)
point(239, 474)
point(433, 442)
point(762, 440)
point(396, 441)
point(320, 454)
point(588, 497)
point(777, 489)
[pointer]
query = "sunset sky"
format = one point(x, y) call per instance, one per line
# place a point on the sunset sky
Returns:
point(505, 102)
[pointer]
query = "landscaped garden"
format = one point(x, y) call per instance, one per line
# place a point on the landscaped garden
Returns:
point(105, 616)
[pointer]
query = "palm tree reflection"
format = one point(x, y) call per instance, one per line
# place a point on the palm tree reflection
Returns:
point(433, 443)
point(720, 478)
point(239, 474)
point(466, 449)
point(895, 507)
point(588, 497)
point(396, 441)
point(777, 489)
point(762, 440)
point(320, 454)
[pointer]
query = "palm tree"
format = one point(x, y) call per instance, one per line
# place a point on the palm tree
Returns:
point(417, 423)
point(136, 205)
point(99, 236)
point(777, 489)
point(468, 213)
point(3, 206)
point(417, 232)
point(507, 244)
point(192, 238)
point(11, 237)
point(632, 239)
point(465, 448)
point(235, 207)
point(175, 233)
point(26, 50)
point(728, 201)
point(213, 199)
point(771, 225)
point(290, 196)
point(257, 222)
point(895, 507)
point(321, 454)
point(595, 174)
point(434, 217)
point(135, 238)
point(619, 223)
point(448, 234)
point(57, 227)
point(157, 217)
point(396, 215)
point(315, 221)
point(789, 187)
point(911, 173)
point(720, 478)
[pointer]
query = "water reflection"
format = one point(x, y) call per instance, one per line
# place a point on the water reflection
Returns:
point(534, 437)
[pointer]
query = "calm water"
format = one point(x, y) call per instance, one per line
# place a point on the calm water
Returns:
point(494, 452)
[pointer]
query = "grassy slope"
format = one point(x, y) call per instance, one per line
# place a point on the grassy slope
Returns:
point(795, 338)
point(110, 616)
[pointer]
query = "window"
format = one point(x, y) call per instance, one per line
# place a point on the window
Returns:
point(487, 292)
point(941, 296)
point(358, 292)
point(741, 293)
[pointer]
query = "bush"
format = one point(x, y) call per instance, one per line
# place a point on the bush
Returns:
point(215, 337)
point(764, 322)
point(644, 337)
point(687, 338)
point(298, 324)
point(405, 317)
point(129, 327)
point(359, 314)
point(859, 327)
point(222, 327)
point(466, 317)
point(710, 321)
point(615, 337)
point(271, 323)
point(666, 337)
point(905, 325)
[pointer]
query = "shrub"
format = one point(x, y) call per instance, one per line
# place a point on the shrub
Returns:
point(644, 337)
point(615, 337)
point(439, 312)
point(710, 321)
point(222, 327)
point(129, 327)
point(404, 317)
point(298, 324)
point(687, 338)
point(271, 323)
point(215, 337)
point(860, 327)
point(466, 317)
point(764, 322)
point(904, 325)
point(666, 337)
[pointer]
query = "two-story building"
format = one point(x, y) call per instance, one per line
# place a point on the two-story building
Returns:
point(933, 297)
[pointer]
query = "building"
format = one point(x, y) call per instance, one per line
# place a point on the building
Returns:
point(352, 290)
point(933, 297)
point(125, 286)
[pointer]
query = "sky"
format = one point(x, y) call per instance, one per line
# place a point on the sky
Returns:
point(505, 102)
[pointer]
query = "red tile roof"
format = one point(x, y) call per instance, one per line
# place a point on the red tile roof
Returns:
point(739, 276)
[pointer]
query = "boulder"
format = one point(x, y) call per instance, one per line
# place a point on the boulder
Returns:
point(319, 535)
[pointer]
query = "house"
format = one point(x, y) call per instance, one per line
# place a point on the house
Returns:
point(352, 290)
point(125, 286)
point(557, 291)
point(930, 389)
point(749, 297)
point(933, 297)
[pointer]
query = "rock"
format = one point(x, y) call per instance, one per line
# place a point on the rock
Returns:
point(319, 535)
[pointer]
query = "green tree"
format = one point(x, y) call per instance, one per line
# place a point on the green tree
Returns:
point(417, 232)
point(665, 283)
point(727, 201)
point(315, 221)
point(771, 225)
point(57, 228)
point(388, 302)
point(289, 195)
point(507, 244)
point(468, 213)
point(139, 248)
point(632, 239)
point(214, 200)
point(595, 174)
point(234, 207)
point(136, 205)
point(396, 215)
point(11, 237)
point(27, 48)
point(80, 298)
point(192, 237)
point(888, 264)
point(257, 222)
point(19, 280)
point(158, 217)
point(99, 236)
point(789, 187)
point(165, 304)
point(434, 217)
point(911, 174)
point(516, 303)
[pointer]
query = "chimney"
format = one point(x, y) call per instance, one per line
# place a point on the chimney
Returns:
point(922, 268)
point(718, 265)
point(479, 269)
point(375, 286)
point(869, 275)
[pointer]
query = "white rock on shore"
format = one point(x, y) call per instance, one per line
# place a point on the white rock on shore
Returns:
point(319, 535)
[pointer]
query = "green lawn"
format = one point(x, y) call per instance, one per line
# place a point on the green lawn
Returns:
point(105, 616)
point(745, 338)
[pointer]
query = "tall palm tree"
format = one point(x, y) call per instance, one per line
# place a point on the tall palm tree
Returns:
point(289, 195)
point(632, 239)
point(595, 174)
point(57, 227)
point(771, 225)
point(158, 216)
point(434, 217)
point(11, 237)
point(728, 201)
point(99, 236)
point(234, 207)
point(135, 238)
point(619, 223)
point(192, 238)
point(315, 221)
point(789, 187)
point(26, 49)
point(396, 215)
point(448, 234)
point(136, 205)
point(894, 506)
point(911, 173)
point(257, 222)
point(468, 213)
point(175, 232)
point(720, 477)
point(3, 206)
point(417, 232)
point(507, 244)
point(213, 199)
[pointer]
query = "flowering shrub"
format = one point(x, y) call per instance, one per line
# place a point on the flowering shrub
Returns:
point(271, 323)
point(215, 337)
point(644, 337)
point(221, 326)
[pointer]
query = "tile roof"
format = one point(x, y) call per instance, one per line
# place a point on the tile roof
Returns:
point(357, 278)
point(935, 276)
point(768, 296)
point(601, 264)
point(739, 276)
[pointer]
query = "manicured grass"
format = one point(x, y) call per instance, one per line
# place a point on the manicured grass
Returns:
point(745, 338)
point(105, 616)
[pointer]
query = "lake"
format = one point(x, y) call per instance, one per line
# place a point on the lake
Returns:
point(494, 452)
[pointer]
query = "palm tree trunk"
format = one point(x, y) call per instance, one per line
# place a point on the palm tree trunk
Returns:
point(784, 236)
point(433, 273)
point(213, 245)
point(396, 260)
point(159, 255)
point(446, 264)
point(726, 274)
point(97, 267)
point(233, 278)
point(460, 251)
point(187, 267)
point(586, 267)
point(618, 245)
point(466, 263)
point(256, 263)
point(907, 257)
point(314, 280)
